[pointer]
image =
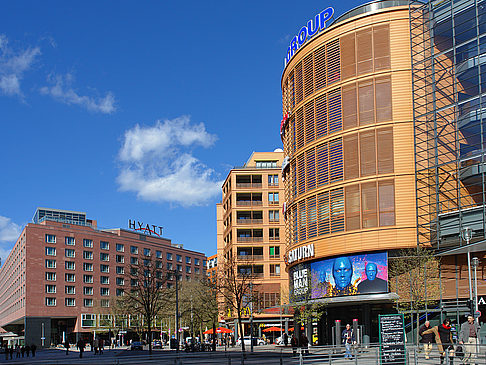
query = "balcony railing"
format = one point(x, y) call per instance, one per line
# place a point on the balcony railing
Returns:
point(273, 220)
point(274, 256)
point(248, 202)
point(249, 239)
point(250, 257)
point(248, 185)
point(274, 274)
point(274, 238)
point(249, 221)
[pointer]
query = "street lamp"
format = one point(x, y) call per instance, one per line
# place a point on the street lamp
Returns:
point(466, 235)
point(475, 264)
point(174, 272)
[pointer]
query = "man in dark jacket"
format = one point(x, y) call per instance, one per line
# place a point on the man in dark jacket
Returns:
point(427, 339)
point(348, 339)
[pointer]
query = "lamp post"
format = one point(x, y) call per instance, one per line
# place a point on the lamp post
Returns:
point(475, 264)
point(251, 318)
point(466, 235)
point(174, 272)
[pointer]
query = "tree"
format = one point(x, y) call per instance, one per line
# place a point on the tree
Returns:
point(415, 277)
point(234, 286)
point(147, 294)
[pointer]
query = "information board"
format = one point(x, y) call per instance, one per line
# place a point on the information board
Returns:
point(392, 339)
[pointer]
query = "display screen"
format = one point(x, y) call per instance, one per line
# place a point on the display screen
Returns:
point(339, 276)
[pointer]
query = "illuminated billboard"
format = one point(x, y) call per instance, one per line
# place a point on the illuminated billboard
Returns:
point(340, 276)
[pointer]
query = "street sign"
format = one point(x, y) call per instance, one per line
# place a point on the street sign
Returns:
point(477, 314)
point(122, 332)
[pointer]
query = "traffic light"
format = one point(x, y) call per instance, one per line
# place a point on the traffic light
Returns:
point(470, 305)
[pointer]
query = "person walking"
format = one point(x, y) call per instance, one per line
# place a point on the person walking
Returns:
point(468, 336)
point(285, 339)
point(348, 339)
point(27, 350)
point(81, 346)
point(6, 350)
point(17, 351)
point(66, 346)
point(102, 345)
point(33, 347)
point(294, 343)
point(304, 342)
point(443, 338)
point(96, 344)
point(427, 339)
point(22, 350)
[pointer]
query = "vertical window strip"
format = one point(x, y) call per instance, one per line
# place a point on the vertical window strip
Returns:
point(323, 213)
point(335, 112)
point(298, 83)
point(302, 221)
point(310, 157)
point(292, 90)
point(300, 175)
point(310, 134)
point(300, 128)
point(308, 75)
point(296, 228)
point(336, 159)
point(293, 168)
point(337, 210)
point(322, 165)
point(333, 62)
point(321, 116)
point(320, 68)
point(311, 217)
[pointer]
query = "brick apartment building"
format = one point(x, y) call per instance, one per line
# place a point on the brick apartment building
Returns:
point(62, 272)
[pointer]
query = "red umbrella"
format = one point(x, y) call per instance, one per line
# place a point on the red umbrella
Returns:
point(292, 328)
point(218, 330)
point(272, 329)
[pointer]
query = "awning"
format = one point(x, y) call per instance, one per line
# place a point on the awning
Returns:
point(473, 247)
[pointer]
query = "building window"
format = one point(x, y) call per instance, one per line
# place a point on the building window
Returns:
point(69, 302)
point(71, 278)
point(120, 247)
point(120, 292)
point(104, 268)
point(274, 234)
point(134, 250)
point(88, 290)
point(272, 180)
point(265, 164)
point(69, 265)
point(120, 270)
point(205, 263)
point(273, 198)
point(274, 252)
point(169, 285)
point(120, 259)
point(133, 260)
point(50, 276)
point(274, 269)
point(179, 258)
point(104, 280)
point(105, 292)
point(104, 256)
point(169, 256)
point(50, 264)
point(179, 268)
point(70, 241)
point(50, 289)
point(273, 215)
point(70, 289)
point(88, 279)
point(87, 303)
point(158, 264)
point(146, 251)
point(51, 302)
point(88, 255)
point(50, 238)
point(87, 266)
point(197, 262)
point(87, 243)
point(158, 254)
point(197, 270)
point(104, 245)
point(169, 266)
point(50, 251)
point(88, 320)
point(69, 252)
point(188, 269)
point(188, 260)
point(120, 281)
point(105, 303)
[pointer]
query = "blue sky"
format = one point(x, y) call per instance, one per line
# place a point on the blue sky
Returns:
point(129, 109)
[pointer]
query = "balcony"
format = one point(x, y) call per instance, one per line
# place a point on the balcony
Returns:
point(274, 274)
point(250, 257)
point(247, 203)
point(248, 185)
point(249, 239)
point(249, 221)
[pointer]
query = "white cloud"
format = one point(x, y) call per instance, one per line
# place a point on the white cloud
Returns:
point(13, 65)
point(9, 231)
point(61, 90)
point(157, 163)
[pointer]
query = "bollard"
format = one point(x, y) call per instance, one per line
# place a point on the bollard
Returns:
point(415, 355)
point(301, 358)
point(281, 360)
point(330, 357)
point(356, 356)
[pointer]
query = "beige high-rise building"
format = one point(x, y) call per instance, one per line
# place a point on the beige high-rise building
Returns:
point(251, 229)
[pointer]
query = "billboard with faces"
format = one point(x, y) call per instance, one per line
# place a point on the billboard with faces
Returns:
point(339, 276)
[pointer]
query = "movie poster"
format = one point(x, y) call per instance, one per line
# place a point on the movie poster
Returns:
point(339, 276)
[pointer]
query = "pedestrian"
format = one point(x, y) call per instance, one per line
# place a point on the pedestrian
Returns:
point(427, 339)
point(468, 336)
point(443, 338)
point(81, 346)
point(33, 347)
point(294, 344)
point(22, 350)
point(304, 342)
point(102, 344)
point(96, 344)
point(17, 351)
point(285, 339)
point(27, 350)
point(6, 351)
point(66, 345)
point(347, 336)
point(11, 351)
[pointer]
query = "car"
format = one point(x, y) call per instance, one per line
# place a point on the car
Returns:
point(136, 345)
point(256, 341)
point(157, 344)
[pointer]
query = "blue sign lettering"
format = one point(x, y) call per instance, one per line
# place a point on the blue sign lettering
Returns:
point(308, 31)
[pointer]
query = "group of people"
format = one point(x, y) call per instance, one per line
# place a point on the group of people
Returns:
point(294, 342)
point(442, 336)
point(19, 351)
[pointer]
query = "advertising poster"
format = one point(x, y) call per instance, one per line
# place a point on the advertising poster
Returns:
point(340, 276)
